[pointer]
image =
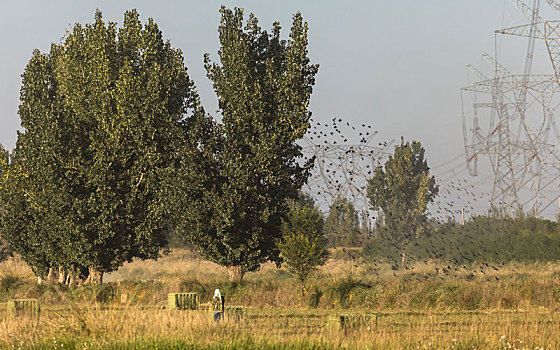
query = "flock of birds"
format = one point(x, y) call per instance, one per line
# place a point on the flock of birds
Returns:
point(345, 158)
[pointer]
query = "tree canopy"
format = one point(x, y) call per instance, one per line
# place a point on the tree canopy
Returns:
point(103, 113)
point(249, 163)
point(402, 190)
point(342, 226)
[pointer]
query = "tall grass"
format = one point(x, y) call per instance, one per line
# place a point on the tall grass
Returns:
point(341, 284)
point(273, 329)
point(474, 306)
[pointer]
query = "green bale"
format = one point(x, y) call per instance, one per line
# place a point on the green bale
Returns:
point(235, 313)
point(347, 323)
point(23, 306)
point(182, 301)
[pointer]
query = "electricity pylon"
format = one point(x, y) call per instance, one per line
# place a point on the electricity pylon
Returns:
point(345, 158)
point(513, 121)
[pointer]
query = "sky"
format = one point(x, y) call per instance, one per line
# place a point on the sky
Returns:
point(396, 65)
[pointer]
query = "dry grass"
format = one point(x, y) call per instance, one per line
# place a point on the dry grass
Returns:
point(16, 266)
point(95, 325)
point(513, 306)
point(181, 262)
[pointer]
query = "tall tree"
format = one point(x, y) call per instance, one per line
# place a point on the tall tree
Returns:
point(402, 190)
point(342, 226)
point(249, 163)
point(19, 209)
point(5, 250)
point(103, 115)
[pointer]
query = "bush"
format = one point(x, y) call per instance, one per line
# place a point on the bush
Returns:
point(9, 282)
point(315, 297)
point(303, 244)
point(193, 285)
point(341, 290)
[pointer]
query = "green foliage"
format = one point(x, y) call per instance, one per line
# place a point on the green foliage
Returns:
point(341, 289)
point(5, 250)
point(249, 163)
point(9, 282)
point(303, 244)
point(315, 297)
point(487, 239)
point(342, 226)
point(402, 190)
point(103, 114)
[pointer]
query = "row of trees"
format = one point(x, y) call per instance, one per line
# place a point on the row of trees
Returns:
point(485, 242)
point(117, 149)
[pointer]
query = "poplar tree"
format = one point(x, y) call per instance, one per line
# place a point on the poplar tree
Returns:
point(103, 114)
point(402, 189)
point(249, 163)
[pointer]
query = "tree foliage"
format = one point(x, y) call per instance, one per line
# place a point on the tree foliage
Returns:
point(303, 244)
point(248, 163)
point(5, 249)
point(482, 240)
point(402, 190)
point(103, 114)
point(342, 226)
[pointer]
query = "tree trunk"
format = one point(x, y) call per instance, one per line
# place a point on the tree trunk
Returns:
point(235, 273)
point(61, 275)
point(50, 276)
point(71, 279)
point(95, 276)
point(403, 259)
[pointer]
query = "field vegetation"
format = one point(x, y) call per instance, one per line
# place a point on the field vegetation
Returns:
point(513, 307)
point(118, 161)
point(494, 239)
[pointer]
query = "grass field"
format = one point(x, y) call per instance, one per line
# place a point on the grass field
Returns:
point(514, 307)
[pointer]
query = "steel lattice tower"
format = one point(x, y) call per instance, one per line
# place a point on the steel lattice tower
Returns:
point(343, 162)
point(513, 121)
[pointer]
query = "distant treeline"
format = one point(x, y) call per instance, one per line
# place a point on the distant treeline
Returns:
point(482, 239)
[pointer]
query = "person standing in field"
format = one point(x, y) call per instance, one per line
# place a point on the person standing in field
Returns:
point(218, 304)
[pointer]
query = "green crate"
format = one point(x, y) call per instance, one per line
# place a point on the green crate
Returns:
point(26, 306)
point(182, 301)
point(235, 313)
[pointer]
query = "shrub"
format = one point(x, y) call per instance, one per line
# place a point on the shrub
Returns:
point(303, 244)
point(9, 282)
point(340, 292)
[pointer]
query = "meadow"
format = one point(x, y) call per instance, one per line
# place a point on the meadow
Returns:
point(422, 307)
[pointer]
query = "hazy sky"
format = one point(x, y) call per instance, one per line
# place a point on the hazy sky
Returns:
point(397, 65)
